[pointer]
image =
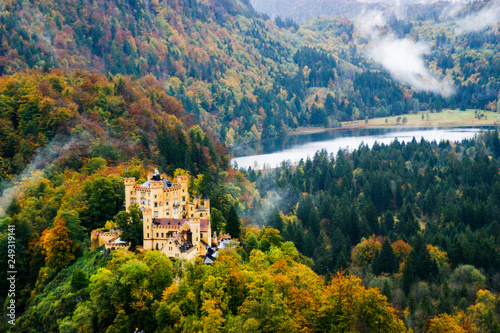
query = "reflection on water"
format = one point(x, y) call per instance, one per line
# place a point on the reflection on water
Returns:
point(270, 153)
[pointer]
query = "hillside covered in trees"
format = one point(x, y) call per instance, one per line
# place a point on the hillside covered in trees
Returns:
point(244, 77)
point(391, 238)
point(419, 220)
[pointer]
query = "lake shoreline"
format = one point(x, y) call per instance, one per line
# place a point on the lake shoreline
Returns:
point(298, 147)
point(347, 126)
point(459, 119)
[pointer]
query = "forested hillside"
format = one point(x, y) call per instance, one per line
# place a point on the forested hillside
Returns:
point(390, 238)
point(76, 116)
point(244, 77)
point(418, 220)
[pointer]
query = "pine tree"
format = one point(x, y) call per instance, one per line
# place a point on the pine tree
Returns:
point(385, 261)
point(341, 262)
point(233, 223)
point(275, 221)
point(386, 291)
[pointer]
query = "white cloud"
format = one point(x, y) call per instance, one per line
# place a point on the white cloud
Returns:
point(404, 60)
point(486, 17)
point(367, 22)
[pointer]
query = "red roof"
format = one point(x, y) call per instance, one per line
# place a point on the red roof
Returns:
point(203, 225)
point(177, 223)
point(169, 222)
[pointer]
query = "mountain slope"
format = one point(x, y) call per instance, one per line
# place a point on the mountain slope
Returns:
point(243, 77)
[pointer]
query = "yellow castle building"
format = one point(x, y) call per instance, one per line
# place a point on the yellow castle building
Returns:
point(172, 222)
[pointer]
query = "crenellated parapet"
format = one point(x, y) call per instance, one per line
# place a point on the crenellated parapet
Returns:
point(129, 181)
point(99, 238)
point(156, 185)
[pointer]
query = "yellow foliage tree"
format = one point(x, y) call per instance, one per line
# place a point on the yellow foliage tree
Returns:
point(347, 306)
point(483, 312)
point(441, 257)
point(363, 253)
point(445, 323)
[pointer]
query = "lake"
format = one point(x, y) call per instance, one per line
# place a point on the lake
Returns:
point(270, 153)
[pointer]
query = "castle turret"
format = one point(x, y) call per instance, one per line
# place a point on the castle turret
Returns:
point(195, 229)
point(147, 222)
point(129, 188)
point(206, 205)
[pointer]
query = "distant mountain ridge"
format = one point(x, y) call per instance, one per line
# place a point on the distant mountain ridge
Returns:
point(303, 10)
point(242, 76)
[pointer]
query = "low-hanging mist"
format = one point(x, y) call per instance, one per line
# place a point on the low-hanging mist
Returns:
point(34, 171)
point(401, 57)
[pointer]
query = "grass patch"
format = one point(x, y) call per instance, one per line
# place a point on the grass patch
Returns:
point(445, 118)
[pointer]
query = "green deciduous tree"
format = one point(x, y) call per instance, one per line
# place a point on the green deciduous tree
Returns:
point(131, 225)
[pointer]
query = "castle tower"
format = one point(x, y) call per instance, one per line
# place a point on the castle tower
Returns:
point(156, 187)
point(147, 223)
point(183, 180)
point(206, 205)
point(195, 229)
point(129, 188)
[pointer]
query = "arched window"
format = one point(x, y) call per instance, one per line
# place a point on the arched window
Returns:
point(143, 201)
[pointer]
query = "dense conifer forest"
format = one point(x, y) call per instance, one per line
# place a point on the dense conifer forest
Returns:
point(389, 238)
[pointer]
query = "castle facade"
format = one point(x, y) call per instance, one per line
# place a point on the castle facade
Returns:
point(172, 222)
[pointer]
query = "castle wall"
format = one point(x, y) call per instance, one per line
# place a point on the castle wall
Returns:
point(100, 238)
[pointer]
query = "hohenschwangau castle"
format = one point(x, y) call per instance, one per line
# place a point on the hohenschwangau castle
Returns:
point(172, 222)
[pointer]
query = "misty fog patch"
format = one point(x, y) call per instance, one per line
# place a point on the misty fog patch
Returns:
point(403, 58)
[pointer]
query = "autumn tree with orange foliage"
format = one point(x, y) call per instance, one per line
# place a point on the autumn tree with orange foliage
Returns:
point(57, 245)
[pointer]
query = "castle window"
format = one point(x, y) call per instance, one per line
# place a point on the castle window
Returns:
point(149, 202)
point(168, 212)
point(201, 214)
point(191, 215)
point(143, 201)
point(156, 235)
point(148, 234)
point(156, 214)
point(148, 226)
point(131, 192)
point(183, 198)
point(156, 196)
point(156, 204)
point(166, 203)
point(131, 201)
point(162, 235)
